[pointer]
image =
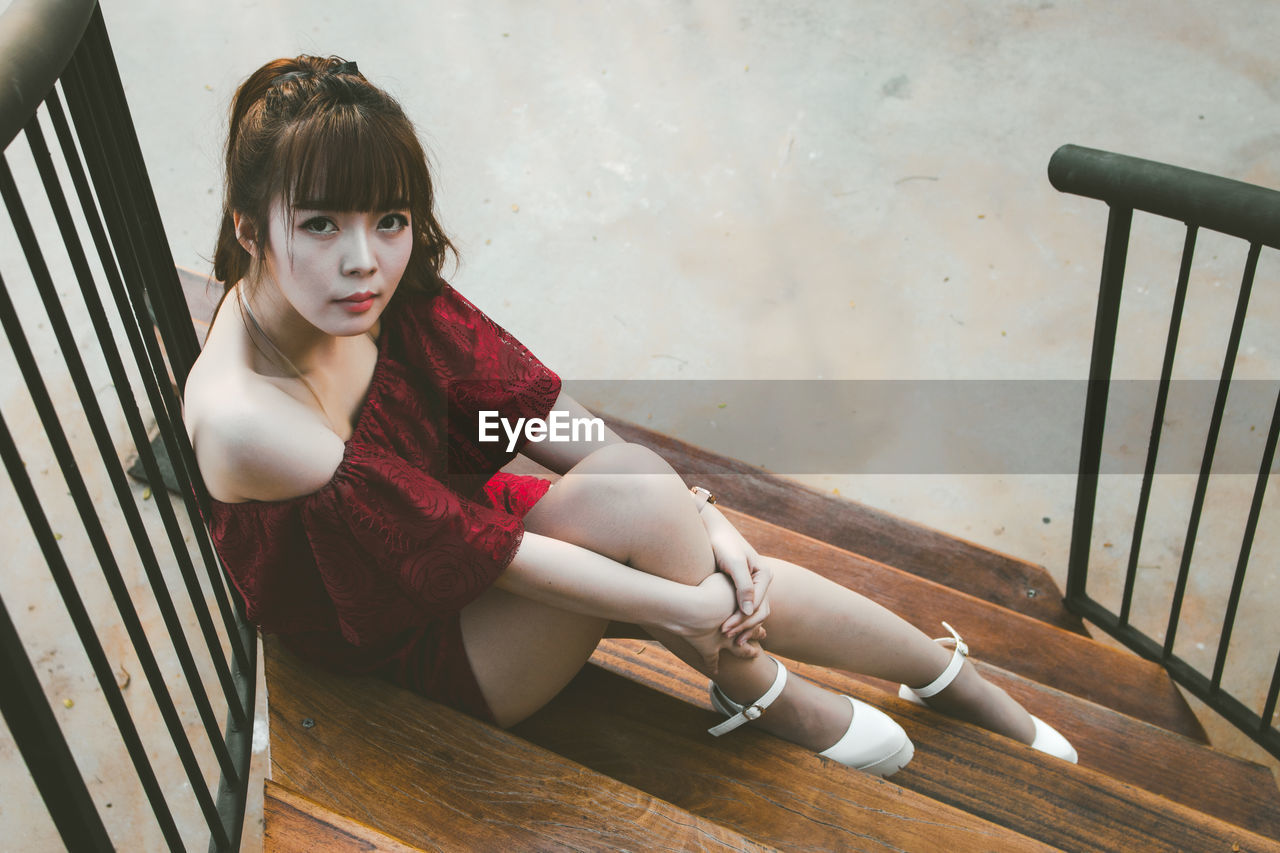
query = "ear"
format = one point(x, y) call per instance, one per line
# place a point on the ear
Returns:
point(244, 232)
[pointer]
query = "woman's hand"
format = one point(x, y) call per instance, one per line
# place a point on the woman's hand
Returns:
point(712, 601)
point(750, 575)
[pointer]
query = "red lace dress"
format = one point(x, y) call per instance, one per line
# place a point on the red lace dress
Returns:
point(368, 574)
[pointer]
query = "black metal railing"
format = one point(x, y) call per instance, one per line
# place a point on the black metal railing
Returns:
point(90, 301)
point(1201, 202)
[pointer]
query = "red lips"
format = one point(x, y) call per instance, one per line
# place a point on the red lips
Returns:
point(357, 303)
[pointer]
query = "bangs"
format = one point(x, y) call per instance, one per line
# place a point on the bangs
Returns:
point(344, 160)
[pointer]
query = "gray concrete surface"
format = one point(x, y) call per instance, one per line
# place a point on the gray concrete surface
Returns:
point(805, 190)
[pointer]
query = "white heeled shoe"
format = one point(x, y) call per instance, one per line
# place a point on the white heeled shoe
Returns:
point(873, 743)
point(1047, 739)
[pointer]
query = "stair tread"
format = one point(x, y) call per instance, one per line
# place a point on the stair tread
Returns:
point(1209, 780)
point(1044, 653)
point(436, 778)
point(1129, 750)
point(293, 823)
point(1013, 583)
point(768, 790)
point(989, 776)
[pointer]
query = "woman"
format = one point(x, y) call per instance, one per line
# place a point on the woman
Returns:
point(335, 414)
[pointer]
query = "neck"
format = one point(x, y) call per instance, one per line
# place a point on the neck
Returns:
point(280, 333)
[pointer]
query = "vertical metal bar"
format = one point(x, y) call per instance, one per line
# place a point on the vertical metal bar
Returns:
point(232, 795)
point(153, 250)
point(123, 390)
point(1246, 546)
point(1210, 445)
point(1157, 421)
point(36, 733)
point(132, 304)
point(106, 447)
point(1095, 414)
point(1273, 693)
point(66, 585)
point(75, 482)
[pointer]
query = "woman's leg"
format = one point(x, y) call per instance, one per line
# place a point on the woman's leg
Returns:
point(821, 622)
point(626, 503)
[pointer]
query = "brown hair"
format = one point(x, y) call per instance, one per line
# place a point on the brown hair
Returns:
point(316, 133)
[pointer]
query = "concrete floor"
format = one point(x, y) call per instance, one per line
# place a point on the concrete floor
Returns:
point(775, 192)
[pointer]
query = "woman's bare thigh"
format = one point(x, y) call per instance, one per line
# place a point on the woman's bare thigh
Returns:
point(522, 652)
point(623, 502)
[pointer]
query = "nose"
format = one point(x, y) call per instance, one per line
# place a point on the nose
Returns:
point(357, 255)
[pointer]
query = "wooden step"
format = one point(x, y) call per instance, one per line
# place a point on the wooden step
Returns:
point(434, 778)
point(631, 732)
point(1177, 768)
point(1029, 647)
point(1128, 750)
point(766, 789)
point(293, 823)
point(1001, 579)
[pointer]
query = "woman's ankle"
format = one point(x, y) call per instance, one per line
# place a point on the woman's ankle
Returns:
point(975, 700)
point(808, 715)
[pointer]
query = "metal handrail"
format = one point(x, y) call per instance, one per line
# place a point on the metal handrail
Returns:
point(37, 38)
point(1220, 204)
point(62, 93)
point(1199, 200)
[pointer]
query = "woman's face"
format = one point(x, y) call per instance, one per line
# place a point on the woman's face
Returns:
point(338, 269)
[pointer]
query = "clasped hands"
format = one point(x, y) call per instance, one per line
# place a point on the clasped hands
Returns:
point(741, 633)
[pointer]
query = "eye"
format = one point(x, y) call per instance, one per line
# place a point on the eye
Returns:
point(393, 222)
point(319, 225)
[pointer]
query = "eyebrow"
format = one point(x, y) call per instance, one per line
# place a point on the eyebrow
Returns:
point(330, 204)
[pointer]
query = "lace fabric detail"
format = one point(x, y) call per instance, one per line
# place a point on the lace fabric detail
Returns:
point(416, 522)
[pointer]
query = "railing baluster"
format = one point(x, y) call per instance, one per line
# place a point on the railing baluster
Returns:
point(71, 48)
point(1201, 202)
point(1107, 318)
point(133, 519)
point(1157, 421)
point(57, 565)
point(114, 195)
point(80, 493)
point(1269, 707)
point(1210, 445)
point(35, 730)
point(138, 433)
point(1246, 547)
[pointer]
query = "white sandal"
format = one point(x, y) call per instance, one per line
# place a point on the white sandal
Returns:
point(873, 743)
point(1047, 739)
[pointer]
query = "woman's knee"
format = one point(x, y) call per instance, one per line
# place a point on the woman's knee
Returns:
point(622, 459)
point(623, 480)
point(624, 501)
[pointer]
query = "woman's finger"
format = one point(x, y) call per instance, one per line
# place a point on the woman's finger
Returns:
point(761, 577)
point(739, 571)
point(750, 623)
point(746, 651)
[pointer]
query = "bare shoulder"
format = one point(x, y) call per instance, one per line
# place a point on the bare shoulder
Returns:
point(252, 440)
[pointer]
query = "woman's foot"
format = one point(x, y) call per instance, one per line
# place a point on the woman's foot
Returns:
point(961, 692)
point(837, 727)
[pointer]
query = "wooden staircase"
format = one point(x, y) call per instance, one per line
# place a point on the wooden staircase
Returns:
point(621, 760)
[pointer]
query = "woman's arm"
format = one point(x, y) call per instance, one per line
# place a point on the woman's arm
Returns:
point(560, 456)
point(579, 580)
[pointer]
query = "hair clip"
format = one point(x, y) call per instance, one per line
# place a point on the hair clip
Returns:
point(345, 68)
point(290, 76)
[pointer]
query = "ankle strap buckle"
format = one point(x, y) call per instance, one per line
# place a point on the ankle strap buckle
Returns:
point(751, 712)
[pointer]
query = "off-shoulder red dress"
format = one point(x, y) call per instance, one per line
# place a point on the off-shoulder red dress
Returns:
point(368, 574)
